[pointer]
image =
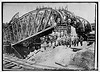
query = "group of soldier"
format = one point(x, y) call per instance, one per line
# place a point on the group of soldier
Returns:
point(61, 38)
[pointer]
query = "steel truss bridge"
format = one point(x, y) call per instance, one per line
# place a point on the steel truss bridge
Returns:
point(27, 29)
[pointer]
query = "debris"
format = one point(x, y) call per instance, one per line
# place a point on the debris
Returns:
point(84, 59)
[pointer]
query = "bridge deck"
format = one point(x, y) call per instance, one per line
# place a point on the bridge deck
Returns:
point(34, 35)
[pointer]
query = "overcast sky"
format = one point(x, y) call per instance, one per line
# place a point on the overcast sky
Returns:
point(85, 10)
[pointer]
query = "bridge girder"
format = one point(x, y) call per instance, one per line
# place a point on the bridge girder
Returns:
point(31, 22)
point(32, 25)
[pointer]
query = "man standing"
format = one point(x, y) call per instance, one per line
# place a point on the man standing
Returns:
point(81, 40)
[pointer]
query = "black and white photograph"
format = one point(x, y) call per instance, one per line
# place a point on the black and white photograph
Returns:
point(49, 36)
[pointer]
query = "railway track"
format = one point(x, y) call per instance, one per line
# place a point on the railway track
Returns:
point(13, 64)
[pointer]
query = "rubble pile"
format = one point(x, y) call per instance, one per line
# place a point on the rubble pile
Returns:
point(59, 55)
point(66, 57)
point(84, 59)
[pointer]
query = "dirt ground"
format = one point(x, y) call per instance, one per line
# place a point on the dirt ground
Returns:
point(62, 57)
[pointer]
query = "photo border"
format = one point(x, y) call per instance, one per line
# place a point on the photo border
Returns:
point(96, 25)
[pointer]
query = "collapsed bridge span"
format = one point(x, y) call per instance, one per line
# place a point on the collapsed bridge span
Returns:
point(28, 28)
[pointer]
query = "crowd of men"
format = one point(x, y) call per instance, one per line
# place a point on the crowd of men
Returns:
point(61, 38)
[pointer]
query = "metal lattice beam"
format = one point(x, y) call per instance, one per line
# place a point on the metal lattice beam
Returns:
point(41, 21)
point(47, 20)
point(33, 26)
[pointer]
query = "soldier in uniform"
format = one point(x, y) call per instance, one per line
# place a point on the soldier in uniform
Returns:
point(81, 40)
point(77, 40)
point(68, 41)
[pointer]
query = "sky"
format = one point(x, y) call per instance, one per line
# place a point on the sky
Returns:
point(85, 10)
